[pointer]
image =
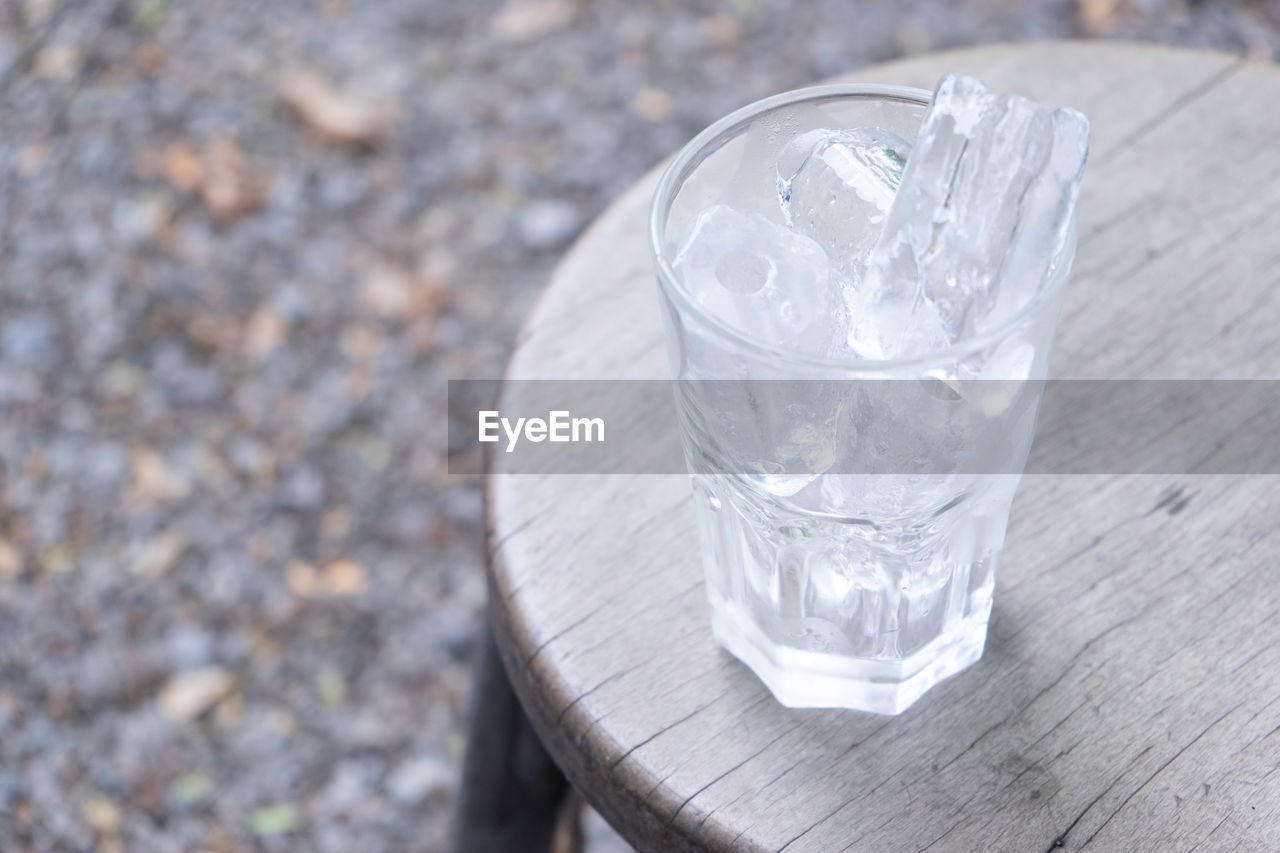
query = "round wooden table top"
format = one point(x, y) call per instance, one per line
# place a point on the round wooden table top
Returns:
point(1129, 697)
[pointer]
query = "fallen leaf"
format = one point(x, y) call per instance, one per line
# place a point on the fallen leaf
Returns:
point(387, 290)
point(264, 332)
point(159, 555)
point(342, 577)
point(335, 523)
point(149, 58)
point(36, 12)
point(277, 819)
point(121, 379)
point(722, 29)
point(911, 38)
point(652, 104)
point(284, 722)
point(216, 173)
point(522, 21)
point(180, 165)
point(153, 479)
point(101, 814)
point(230, 711)
point(189, 694)
point(228, 190)
point(1098, 16)
point(360, 343)
point(56, 62)
point(57, 557)
point(149, 14)
point(31, 159)
point(192, 786)
point(345, 577)
point(10, 560)
point(302, 578)
point(395, 292)
point(331, 686)
point(342, 118)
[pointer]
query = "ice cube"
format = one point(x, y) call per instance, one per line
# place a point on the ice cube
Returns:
point(759, 277)
point(837, 185)
point(919, 207)
point(959, 272)
point(887, 325)
point(983, 206)
point(1044, 219)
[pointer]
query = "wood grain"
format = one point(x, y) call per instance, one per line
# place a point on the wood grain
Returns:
point(1129, 697)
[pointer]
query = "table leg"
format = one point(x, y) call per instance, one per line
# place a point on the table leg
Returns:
point(511, 788)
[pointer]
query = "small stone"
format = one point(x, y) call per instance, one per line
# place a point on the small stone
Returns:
point(548, 223)
point(140, 220)
point(29, 339)
point(368, 730)
point(252, 457)
point(189, 647)
point(303, 488)
point(189, 694)
point(414, 781)
point(352, 781)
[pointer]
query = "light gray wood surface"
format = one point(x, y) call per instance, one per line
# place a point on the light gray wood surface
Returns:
point(1128, 697)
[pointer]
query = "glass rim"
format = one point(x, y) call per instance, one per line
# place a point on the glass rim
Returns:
point(676, 172)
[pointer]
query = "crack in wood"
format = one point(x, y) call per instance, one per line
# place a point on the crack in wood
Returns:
point(690, 798)
point(698, 710)
point(1061, 840)
point(1158, 771)
point(1178, 104)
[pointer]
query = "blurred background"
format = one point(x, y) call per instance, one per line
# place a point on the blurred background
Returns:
point(242, 247)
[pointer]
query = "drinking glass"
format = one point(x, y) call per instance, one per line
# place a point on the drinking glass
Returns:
point(851, 512)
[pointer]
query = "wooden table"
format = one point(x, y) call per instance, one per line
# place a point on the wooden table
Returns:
point(1128, 696)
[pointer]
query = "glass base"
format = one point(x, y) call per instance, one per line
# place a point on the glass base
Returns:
point(805, 679)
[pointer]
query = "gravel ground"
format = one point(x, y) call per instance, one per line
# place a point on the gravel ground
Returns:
point(243, 247)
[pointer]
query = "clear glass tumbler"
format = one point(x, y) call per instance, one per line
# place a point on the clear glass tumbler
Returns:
point(851, 512)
